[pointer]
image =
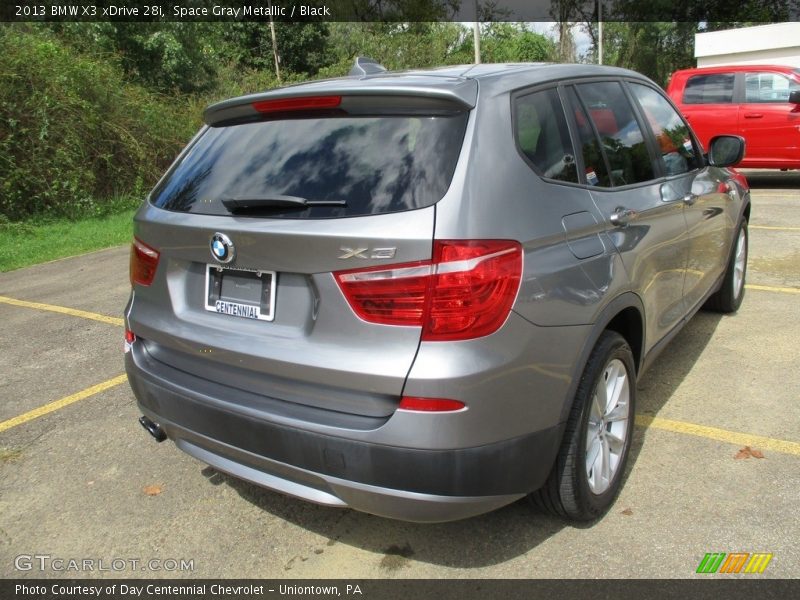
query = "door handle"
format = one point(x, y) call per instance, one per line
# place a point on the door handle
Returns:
point(753, 115)
point(689, 199)
point(622, 216)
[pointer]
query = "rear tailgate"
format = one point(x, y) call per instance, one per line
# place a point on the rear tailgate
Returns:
point(315, 351)
point(371, 180)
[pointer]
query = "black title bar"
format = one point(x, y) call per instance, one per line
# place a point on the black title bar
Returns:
point(762, 11)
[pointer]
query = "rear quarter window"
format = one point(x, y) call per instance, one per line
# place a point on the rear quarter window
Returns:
point(543, 137)
point(713, 88)
point(374, 164)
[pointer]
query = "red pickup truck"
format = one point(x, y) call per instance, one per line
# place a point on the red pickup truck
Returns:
point(759, 102)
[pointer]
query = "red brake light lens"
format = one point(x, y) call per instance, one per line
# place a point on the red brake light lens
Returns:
point(475, 286)
point(144, 261)
point(465, 292)
point(430, 404)
point(293, 104)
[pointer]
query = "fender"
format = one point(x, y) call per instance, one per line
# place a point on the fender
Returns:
point(604, 317)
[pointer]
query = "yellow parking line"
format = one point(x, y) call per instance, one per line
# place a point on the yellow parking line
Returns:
point(63, 310)
point(53, 406)
point(722, 435)
point(772, 228)
point(769, 288)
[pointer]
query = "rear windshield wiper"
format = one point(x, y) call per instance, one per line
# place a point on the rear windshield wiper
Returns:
point(276, 201)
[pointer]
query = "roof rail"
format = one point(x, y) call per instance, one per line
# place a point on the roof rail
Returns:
point(366, 66)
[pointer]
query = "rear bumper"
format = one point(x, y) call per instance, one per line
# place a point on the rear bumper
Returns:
point(412, 484)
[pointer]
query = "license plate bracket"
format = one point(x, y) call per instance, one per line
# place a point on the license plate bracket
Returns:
point(236, 292)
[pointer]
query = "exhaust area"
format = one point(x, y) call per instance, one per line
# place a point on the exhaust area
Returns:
point(153, 429)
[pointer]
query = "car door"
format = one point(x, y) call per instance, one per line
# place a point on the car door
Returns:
point(767, 120)
point(648, 230)
point(687, 180)
point(708, 104)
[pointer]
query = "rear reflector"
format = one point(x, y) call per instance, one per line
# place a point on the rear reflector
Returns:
point(144, 261)
point(130, 337)
point(465, 292)
point(430, 404)
point(294, 104)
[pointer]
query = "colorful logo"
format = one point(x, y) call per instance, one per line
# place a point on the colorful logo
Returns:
point(735, 562)
point(222, 248)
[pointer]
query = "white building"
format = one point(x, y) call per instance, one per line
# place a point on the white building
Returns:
point(777, 44)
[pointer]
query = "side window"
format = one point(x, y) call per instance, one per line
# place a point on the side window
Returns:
point(715, 88)
point(768, 87)
point(593, 161)
point(543, 136)
point(620, 135)
point(672, 134)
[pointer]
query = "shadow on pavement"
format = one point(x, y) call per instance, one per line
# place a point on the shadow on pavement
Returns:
point(670, 368)
point(481, 541)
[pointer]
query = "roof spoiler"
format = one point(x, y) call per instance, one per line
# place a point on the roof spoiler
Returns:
point(366, 66)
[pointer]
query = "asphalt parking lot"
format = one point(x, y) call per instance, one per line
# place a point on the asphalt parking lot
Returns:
point(80, 479)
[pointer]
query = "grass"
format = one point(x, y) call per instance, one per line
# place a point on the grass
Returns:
point(32, 242)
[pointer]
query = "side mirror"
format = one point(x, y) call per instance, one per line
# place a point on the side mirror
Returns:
point(726, 150)
point(794, 97)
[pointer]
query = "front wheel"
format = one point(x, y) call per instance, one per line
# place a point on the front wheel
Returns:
point(729, 297)
point(587, 475)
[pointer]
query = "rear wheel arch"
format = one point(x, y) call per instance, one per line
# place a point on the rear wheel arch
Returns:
point(629, 324)
point(624, 315)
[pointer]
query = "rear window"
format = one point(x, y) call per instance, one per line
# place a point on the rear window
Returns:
point(716, 88)
point(768, 87)
point(373, 164)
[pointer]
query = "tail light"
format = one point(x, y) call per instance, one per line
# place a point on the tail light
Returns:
point(465, 292)
point(144, 261)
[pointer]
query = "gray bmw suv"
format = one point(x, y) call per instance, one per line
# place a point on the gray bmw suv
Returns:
point(428, 294)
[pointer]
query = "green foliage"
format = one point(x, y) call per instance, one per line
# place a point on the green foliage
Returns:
point(72, 131)
point(397, 46)
point(512, 42)
point(166, 57)
point(654, 49)
point(302, 47)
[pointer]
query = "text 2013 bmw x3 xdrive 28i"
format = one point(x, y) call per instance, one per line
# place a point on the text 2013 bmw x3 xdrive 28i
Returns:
point(428, 294)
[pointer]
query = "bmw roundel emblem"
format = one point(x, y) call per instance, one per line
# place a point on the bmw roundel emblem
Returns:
point(222, 248)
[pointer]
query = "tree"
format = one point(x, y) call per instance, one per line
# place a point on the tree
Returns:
point(513, 42)
point(163, 56)
point(302, 47)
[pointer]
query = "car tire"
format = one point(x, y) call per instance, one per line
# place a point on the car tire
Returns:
point(729, 297)
point(584, 484)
